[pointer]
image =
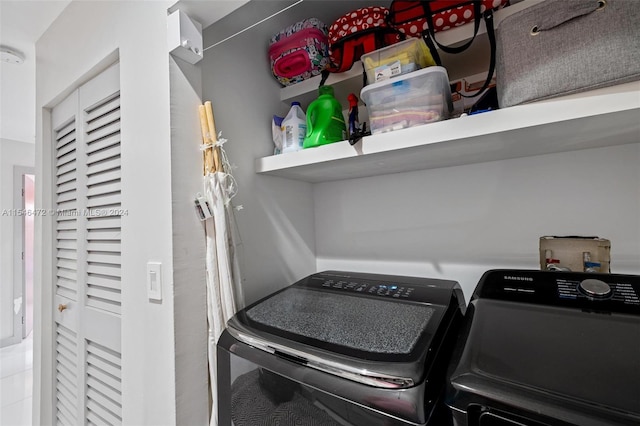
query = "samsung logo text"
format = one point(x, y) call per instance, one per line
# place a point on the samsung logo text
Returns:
point(515, 278)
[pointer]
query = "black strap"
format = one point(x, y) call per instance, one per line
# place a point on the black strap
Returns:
point(365, 80)
point(488, 19)
point(476, 26)
point(432, 49)
point(325, 75)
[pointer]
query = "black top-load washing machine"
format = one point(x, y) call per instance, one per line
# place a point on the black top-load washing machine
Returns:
point(341, 348)
point(549, 348)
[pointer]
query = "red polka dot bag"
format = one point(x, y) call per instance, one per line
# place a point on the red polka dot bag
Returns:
point(415, 18)
point(358, 32)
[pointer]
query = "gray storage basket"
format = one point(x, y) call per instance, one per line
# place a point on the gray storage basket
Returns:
point(559, 47)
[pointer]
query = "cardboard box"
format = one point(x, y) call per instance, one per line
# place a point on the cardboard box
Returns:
point(579, 254)
point(468, 86)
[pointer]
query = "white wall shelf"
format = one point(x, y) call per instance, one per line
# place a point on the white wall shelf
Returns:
point(604, 117)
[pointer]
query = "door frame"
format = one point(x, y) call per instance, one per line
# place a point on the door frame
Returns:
point(44, 365)
point(46, 300)
point(43, 362)
point(19, 175)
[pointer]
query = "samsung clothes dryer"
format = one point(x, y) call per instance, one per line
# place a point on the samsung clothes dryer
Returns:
point(341, 348)
point(549, 348)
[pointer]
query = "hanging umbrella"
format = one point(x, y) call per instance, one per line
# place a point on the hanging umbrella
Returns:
point(223, 290)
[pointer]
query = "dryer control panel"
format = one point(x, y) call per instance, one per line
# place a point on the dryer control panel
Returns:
point(602, 292)
point(598, 289)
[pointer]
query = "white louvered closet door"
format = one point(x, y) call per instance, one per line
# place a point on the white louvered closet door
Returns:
point(87, 254)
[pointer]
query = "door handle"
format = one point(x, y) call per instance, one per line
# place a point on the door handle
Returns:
point(62, 307)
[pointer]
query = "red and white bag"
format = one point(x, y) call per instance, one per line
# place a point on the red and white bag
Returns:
point(412, 17)
point(423, 18)
point(358, 32)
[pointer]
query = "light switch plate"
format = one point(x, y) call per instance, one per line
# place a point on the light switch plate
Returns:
point(154, 281)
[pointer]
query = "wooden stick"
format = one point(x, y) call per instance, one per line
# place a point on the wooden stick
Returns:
point(204, 128)
point(214, 136)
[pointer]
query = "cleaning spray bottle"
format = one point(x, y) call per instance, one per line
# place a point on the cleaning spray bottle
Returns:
point(325, 122)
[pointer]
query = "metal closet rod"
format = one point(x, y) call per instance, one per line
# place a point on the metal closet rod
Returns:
point(254, 25)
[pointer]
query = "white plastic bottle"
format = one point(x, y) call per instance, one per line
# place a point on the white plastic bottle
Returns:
point(294, 129)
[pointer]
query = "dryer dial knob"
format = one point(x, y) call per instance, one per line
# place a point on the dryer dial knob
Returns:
point(595, 288)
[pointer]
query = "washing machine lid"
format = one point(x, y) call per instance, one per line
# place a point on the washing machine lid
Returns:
point(556, 342)
point(381, 330)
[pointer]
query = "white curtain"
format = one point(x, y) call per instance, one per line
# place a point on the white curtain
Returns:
point(223, 284)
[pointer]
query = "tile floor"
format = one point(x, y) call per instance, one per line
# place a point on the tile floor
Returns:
point(16, 383)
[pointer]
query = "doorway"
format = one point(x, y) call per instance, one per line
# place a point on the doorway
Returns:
point(24, 184)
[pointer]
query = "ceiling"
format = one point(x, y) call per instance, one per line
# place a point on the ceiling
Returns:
point(204, 12)
point(22, 22)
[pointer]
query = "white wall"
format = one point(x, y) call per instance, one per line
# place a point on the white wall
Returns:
point(12, 153)
point(16, 98)
point(72, 50)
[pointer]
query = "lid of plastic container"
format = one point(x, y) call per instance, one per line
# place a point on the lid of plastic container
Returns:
point(295, 103)
point(441, 71)
point(405, 44)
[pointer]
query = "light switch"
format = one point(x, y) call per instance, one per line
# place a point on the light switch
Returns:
point(154, 281)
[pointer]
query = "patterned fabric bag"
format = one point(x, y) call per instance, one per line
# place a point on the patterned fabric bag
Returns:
point(299, 52)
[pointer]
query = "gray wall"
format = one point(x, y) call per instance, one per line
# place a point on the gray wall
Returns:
point(189, 284)
point(457, 222)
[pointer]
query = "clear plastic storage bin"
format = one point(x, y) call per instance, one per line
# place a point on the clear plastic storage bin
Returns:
point(409, 100)
point(397, 59)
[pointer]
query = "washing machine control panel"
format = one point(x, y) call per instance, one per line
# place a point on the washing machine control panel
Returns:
point(412, 289)
point(396, 290)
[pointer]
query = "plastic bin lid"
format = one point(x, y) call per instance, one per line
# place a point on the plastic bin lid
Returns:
point(408, 43)
point(440, 71)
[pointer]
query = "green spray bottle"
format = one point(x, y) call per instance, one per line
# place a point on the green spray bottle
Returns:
point(325, 122)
